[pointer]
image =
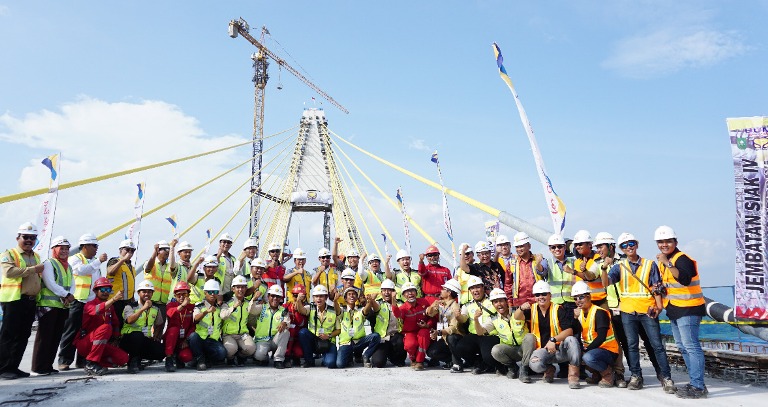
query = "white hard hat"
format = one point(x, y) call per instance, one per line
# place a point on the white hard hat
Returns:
point(258, 262)
point(184, 246)
point(299, 253)
point(239, 280)
point(373, 257)
point(482, 246)
point(473, 281)
point(579, 288)
point(323, 252)
point(604, 238)
point(163, 245)
point(555, 239)
point(582, 236)
point(211, 261)
point(227, 237)
point(521, 238)
point(452, 285)
point(353, 253)
point(664, 232)
point(497, 294)
point(275, 290)
point(387, 284)
point(127, 244)
point(402, 253)
point(211, 285)
point(274, 246)
point(60, 241)
point(250, 243)
point(541, 286)
point(348, 289)
point(468, 248)
point(501, 239)
point(407, 286)
point(88, 238)
point(626, 237)
point(348, 275)
point(319, 290)
point(27, 228)
point(145, 285)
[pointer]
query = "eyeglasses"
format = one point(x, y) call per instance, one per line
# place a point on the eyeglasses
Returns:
point(580, 297)
point(325, 257)
point(163, 249)
point(468, 254)
point(540, 294)
point(225, 241)
point(631, 243)
point(557, 246)
point(105, 290)
point(580, 244)
point(30, 238)
point(433, 255)
point(274, 251)
point(212, 292)
point(129, 250)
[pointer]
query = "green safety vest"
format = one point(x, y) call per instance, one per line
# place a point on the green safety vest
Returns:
point(161, 278)
point(210, 325)
point(143, 324)
point(47, 298)
point(269, 320)
point(488, 312)
point(352, 326)
point(401, 277)
point(10, 289)
point(383, 317)
point(237, 322)
point(196, 292)
point(262, 289)
point(82, 283)
point(510, 332)
point(222, 271)
point(560, 282)
point(327, 324)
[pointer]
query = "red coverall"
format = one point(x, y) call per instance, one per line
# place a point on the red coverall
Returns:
point(100, 325)
point(298, 322)
point(432, 280)
point(179, 319)
point(416, 340)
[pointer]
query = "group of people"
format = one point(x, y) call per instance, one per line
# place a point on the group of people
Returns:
point(576, 313)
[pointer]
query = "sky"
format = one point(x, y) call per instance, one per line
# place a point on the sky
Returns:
point(628, 100)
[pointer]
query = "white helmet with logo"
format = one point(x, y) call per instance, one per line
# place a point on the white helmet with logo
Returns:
point(258, 262)
point(401, 254)
point(501, 239)
point(127, 244)
point(348, 275)
point(373, 257)
point(145, 285)
point(497, 294)
point(299, 254)
point(88, 238)
point(226, 237)
point(184, 246)
point(387, 285)
point(582, 236)
point(555, 240)
point(319, 290)
point(482, 246)
point(664, 232)
point(579, 288)
point(604, 238)
point(473, 281)
point(453, 285)
point(407, 286)
point(275, 290)
point(60, 241)
point(521, 238)
point(541, 287)
point(323, 252)
point(211, 285)
point(27, 228)
point(163, 245)
point(239, 280)
point(250, 243)
point(626, 237)
point(211, 261)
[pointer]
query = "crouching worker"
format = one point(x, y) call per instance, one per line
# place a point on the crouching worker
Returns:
point(322, 329)
point(600, 346)
point(180, 315)
point(234, 325)
point(510, 331)
point(142, 328)
point(206, 340)
point(352, 337)
point(416, 324)
point(100, 324)
point(270, 322)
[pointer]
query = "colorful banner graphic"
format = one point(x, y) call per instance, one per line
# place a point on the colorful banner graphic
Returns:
point(47, 212)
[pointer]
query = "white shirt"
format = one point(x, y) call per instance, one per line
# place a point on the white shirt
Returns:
point(92, 268)
point(49, 279)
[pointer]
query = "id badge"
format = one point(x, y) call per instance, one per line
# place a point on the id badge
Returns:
point(321, 331)
point(145, 330)
point(440, 326)
point(351, 333)
point(210, 330)
point(292, 326)
point(244, 337)
point(181, 333)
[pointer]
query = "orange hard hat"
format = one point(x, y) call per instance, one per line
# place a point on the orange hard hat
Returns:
point(432, 249)
point(181, 286)
point(102, 282)
point(298, 289)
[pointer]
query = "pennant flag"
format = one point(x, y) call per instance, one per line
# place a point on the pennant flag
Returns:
point(138, 212)
point(47, 211)
point(386, 249)
point(555, 205)
point(434, 158)
point(446, 214)
point(52, 163)
point(174, 225)
point(405, 220)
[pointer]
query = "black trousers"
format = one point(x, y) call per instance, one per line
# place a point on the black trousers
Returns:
point(471, 345)
point(71, 331)
point(140, 346)
point(119, 307)
point(392, 349)
point(445, 352)
point(18, 317)
point(49, 328)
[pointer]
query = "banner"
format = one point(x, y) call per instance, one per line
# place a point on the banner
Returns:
point(386, 248)
point(749, 146)
point(47, 212)
point(491, 232)
point(446, 214)
point(138, 211)
point(174, 226)
point(555, 205)
point(405, 220)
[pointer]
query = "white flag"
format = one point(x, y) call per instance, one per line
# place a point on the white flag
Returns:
point(47, 211)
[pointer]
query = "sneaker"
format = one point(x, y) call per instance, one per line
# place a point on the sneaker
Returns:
point(201, 364)
point(239, 361)
point(9, 376)
point(170, 364)
point(457, 369)
point(64, 367)
point(310, 363)
point(478, 370)
point(501, 371)
point(288, 363)
point(133, 366)
point(35, 374)
point(513, 373)
point(635, 383)
point(525, 378)
point(690, 392)
point(418, 366)
point(367, 362)
point(94, 369)
point(21, 373)
point(618, 380)
point(279, 364)
point(668, 385)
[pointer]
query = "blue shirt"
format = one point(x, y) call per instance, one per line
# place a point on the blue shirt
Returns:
point(614, 275)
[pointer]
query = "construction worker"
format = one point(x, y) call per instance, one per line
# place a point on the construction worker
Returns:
point(297, 275)
point(52, 304)
point(259, 294)
point(404, 274)
point(480, 339)
point(184, 265)
point(524, 273)
point(18, 293)
point(243, 263)
point(352, 337)
point(86, 268)
point(348, 278)
point(275, 269)
point(466, 255)
point(121, 273)
point(180, 316)
point(159, 272)
point(560, 272)
point(270, 324)
point(640, 308)
point(433, 275)
point(488, 270)
point(205, 341)
point(600, 348)
point(226, 260)
point(510, 331)
point(587, 267)
point(370, 279)
point(416, 324)
point(326, 274)
point(322, 329)
point(448, 331)
point(350, 260)
point(234, 326)
point(293, 352)
point(98, 336)
point(210, 272)
point(142, 328)
point(387, 326)
point(685, 307)
point(551, 337)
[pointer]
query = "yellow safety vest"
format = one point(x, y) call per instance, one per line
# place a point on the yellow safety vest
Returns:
point(63, 277)
point(269, 320)
point(237, 322)
point(82, 283)
point(588, 332)
point(634, 296)
point(326, 325)
point(371, 284)
point(402, 277)
point(595, 286)
point(10, 289)
point(144, 323)
point(304, 279)
point(222, 270)
point(352, 326)
point(510, 332)
point(554, 322)
point(124, 280)
point(560, 282)
point(488, 312)
point(161, 278)
point(209, 325)
point(680, 295)
point(516, 276)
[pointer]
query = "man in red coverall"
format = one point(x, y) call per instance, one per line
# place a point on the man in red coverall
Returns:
point(100, 324)
point(294, 353)
point(180, 325)
point(416, 325)
point(433, 275)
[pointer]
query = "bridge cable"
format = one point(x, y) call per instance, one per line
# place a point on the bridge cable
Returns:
point(345, 187)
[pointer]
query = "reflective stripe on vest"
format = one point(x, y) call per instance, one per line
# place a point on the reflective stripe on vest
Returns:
point(352, 326)
point(473, 306)
point(560, 282)
point(224, 265)
point(10, 289)
point(402, 277)
point(382, 318)
point(588, 332)
point(510, 332)
point(680, 295)
point(237, 322)
point(63, 277)
point(635, 297)
point(554, 322)
point(595, 286)
point(82, 283)
point(212, 321)
point(124, 280)
point(516, 276)
point(160, 277)
point(266, 326)
point(143, 323)
point(327, 323)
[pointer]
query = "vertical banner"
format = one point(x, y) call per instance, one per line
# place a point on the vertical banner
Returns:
point(47, 212)
point(555, 205)
point(386, 248)
point(405, 220)
point(207, 249)
point(174, 226)
point(491, 232)
point(749, 146)
point(138, 211)
point(446, 214)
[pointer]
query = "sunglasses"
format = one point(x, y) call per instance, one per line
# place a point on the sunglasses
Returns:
point(129, 250)
point(225, 241)
point(557, 246)
point(212, 292)
point(631, 243)
point(30, 238)
point(165, 249)
point(325, 257)
point(540, 294)
point(580, 297)
point(105, 290)
point(579, 244)
point(468, 254)
point(432, 255)
point(274, 251)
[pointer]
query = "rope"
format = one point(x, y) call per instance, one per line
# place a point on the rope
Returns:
point(227, 224)
point(66, 185)
point(359, 213)
point(365, 224)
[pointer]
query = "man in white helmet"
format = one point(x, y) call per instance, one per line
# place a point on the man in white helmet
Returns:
point(467, 255)
point(522, 273)
point(349, 260)
point(122, 274)
point(226, 267)
point(298, 275)
point(142, 328)
point(234, 326)
point(326, 273)
point(353, 339)
point(197, 282)
point(387, 326)
point(511, 333)
point(600, 348)
point(205, 342)
point(488, 270)
point(161, 273)
point(270, 325)
point(370, 278)
point(404, 274)
point(86, 268)
point(475, 347)
point(243, 263)
point(560, 272)
point(184, 266)
point(587, 266)
point(448, 331)
point(319, 337)
point(257, 289)
point(275, 268)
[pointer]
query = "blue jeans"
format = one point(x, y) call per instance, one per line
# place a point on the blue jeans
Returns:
point(213, 349)
point(632, 324)
point(599, 359)
point(307, 341)
point(344, 357)
point(686, 333)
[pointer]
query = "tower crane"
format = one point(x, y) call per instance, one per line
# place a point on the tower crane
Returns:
point(260, 77)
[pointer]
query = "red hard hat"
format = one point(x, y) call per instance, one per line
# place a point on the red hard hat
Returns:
point(181, 286)
point(432, 249)
point(102, 282)
point(298, 289)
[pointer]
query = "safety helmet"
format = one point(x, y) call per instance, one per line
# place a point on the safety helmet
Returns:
point(239, 280)
point(468, 248)
point(211, 261)
point(348, 289)
point(521, 238)
point(127, 244)
point(274, 246)
point(299, 253)
point(555, 239)
point(373, 257)
point(541, 287)
point(323, 252)
point(452, 285)
point(319, 290)
point(101, 282)
point(407, 286)
point(27, 228)
point(181, 286)
point(211, 285)
point(298, 289)
point(275, 290)
point(664, 232)
point(482, 246)
point(604, 238)
point(353, 253)
point(473, 281)
point(626, 237)
point(501, 239)
point(497, 294)
point(387, 285)
point(184, 246)
point(145, 285)
point(60, 241)
point(226, 237)
point(582, 236)
point(579, 288)
point(348, 275)
point(432, 249)
point(402, 253)
point(259, 262)
point(250, 243)
point(88, 238)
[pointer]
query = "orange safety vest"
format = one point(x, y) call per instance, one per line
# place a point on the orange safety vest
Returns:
point(595, 286)
point(589, 333)
point(681, 295)
point(634, 296)
point(554, 322)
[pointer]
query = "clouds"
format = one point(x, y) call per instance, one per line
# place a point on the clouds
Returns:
point(3, 10)
point(419, 144)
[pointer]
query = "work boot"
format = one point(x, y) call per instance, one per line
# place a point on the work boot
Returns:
point(573, 377)
point(94, 369)
point(279, 364)
point(668, 385)
point(501, 370)
point(457, 369)
point(308, 363)
point(607, 378)
point(549, 374)
point(170, 364)
point(239, 361)
point(635, 383)
point(367, 362)
point(513, 373)
point(133, 365)
point(690, 392)
point(201, 363)
point(524, 377)
point(288, 363)
point(230, 362)
point(418, 366)
point(618, 380)
point(594, 377)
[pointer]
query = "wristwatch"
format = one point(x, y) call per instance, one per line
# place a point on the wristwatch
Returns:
point(552, 339)
point(670, 265)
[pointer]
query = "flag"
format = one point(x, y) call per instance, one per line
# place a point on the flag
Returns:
point(138, 212)
point(386, 249)
point(446, 214)
point(207, 248)
point(405, 220)
point(434, 158)
point(555, 205)
point(47, 211)
point(174, 225)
